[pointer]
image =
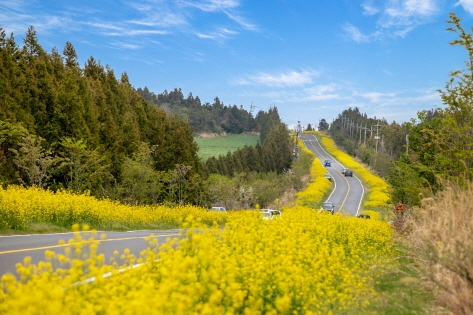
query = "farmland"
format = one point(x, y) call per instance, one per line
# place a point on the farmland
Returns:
point(222, 145)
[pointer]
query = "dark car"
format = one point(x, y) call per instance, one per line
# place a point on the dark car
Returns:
point(348, 172)
point(327, 163)
point(328, 206)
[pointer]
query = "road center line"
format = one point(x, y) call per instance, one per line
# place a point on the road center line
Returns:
point(64, 245)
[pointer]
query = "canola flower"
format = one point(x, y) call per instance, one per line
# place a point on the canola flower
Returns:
point(19, 207)
point(303, 263)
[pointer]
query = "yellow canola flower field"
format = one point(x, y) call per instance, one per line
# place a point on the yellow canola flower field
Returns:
point(19, 207)
point(224, 263)
point(302, 263)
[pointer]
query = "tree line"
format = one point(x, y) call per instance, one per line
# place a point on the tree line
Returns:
point(205, 118)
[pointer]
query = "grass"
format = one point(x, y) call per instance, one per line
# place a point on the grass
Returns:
point(222, 145)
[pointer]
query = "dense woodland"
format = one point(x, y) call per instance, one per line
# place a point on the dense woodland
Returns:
point(63, 126)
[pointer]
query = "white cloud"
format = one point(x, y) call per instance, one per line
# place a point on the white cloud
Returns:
point(122, 45)
point(369, 8)
point(355, 34)
point(282, 79)
point(395, 18)
point(212, 5)
point(320, 93)
point(467, 5)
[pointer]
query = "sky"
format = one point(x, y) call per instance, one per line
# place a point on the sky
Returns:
point(312, 59)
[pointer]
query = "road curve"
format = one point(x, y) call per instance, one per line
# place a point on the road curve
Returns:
point(348, 192)
point(14, 248)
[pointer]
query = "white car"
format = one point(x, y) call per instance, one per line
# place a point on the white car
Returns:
point(269, 214)
point(221, 209)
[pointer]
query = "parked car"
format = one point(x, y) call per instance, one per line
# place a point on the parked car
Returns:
point(221, 209)
point(269, 214)
point(348, 172)
point(327, 163)
point(328, 206)
point(328, 176)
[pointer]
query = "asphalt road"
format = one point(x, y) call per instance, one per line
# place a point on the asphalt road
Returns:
point(348, 191)
point(13, 249)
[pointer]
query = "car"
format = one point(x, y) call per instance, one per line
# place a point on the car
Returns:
point(327, 163)
point(328, 206)
point(348, 172)
point(344, 170)
point(220, 209)
point(328, 176)
point(269, 214)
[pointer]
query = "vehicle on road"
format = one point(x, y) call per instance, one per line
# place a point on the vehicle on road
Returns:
point(348, 172)
point(327, 163)
point(344, 170)
point(328, 206)
point(221, 209)
point(328, 176)
point(269, 214)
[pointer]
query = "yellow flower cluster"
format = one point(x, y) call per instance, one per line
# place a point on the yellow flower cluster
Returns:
point(19, 207)
point(302, 263)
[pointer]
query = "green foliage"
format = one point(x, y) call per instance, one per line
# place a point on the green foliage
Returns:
point(323, 125)
point(84, 167)
point(33, 161)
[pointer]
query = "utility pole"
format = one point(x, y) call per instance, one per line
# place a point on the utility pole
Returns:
point(377, 136)
point(360, 131)
point(407, 144)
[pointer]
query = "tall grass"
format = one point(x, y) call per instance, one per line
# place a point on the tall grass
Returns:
point(440, 236)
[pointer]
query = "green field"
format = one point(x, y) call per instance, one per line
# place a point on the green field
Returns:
point(221, 145)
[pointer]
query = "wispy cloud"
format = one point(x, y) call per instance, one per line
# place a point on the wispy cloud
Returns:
point(356, 35)
point(123, 45)
point(281, 79)
point(467, 5)
point(395, 18)
point(148, 18)
point(212, 5)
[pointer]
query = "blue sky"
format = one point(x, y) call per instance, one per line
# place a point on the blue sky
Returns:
point(311, 59)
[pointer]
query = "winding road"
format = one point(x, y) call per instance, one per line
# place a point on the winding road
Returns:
point(348, 191)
